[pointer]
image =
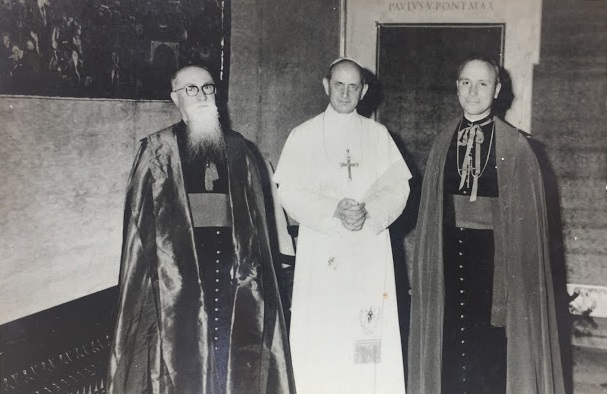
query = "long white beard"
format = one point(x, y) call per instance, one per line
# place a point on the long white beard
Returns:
point(205, 135)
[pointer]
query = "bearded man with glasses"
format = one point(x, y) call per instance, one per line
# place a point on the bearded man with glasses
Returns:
point(199, 308)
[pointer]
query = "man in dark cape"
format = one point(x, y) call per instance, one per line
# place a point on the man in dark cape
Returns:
point(195, 318)
point(521, 301)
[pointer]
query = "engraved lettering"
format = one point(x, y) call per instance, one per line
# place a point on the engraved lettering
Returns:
point(413, 6)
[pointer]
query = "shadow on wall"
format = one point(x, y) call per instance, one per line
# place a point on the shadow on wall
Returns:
point(557, 257)
point(374, 97)
point(555, 234)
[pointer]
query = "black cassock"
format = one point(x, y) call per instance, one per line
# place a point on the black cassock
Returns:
point(171, 335)
point(206, 183)
point(474, 351)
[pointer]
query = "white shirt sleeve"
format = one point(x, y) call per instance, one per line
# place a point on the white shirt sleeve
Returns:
point(302, 203)
point(387, 197)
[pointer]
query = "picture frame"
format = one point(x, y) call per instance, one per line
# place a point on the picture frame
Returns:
point(125, 49)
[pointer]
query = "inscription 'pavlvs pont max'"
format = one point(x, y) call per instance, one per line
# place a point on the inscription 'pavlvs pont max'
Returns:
point(440, 6)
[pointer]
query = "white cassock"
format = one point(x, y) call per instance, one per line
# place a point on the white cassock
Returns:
point(344, 335)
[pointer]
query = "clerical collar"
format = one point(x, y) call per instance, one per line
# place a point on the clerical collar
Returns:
point(332, 114)
point(481, 122)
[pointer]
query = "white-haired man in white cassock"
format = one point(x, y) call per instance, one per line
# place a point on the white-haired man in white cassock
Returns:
point(341, 176)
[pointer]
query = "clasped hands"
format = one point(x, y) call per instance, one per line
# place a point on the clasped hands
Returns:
point(351, 213)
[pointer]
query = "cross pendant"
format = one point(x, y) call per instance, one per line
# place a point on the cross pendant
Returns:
point(348, 164)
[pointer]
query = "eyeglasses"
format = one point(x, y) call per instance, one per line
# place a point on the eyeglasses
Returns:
point(193, 90)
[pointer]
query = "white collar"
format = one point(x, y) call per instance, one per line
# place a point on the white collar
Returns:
point(332, 115)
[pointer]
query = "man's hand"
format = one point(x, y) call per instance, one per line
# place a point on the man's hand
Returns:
point(351, 213)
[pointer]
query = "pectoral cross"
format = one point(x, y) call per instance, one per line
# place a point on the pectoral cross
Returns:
point(348, 164)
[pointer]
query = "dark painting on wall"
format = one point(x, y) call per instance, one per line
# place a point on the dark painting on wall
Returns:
point(108, 48)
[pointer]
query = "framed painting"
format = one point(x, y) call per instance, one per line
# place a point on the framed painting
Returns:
point(124, 49)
